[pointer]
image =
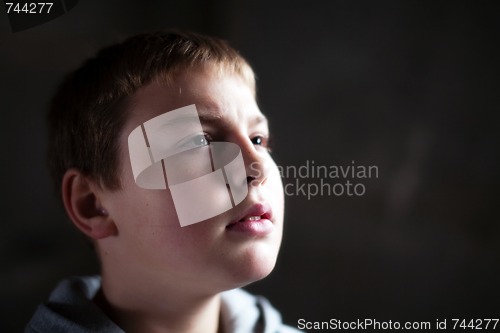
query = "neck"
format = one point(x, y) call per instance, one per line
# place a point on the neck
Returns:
point(171, 312)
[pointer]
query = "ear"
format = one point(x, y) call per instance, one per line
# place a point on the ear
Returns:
point(81, 200)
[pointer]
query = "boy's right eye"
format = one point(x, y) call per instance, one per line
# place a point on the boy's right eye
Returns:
point(200, 140)
point(196, 141)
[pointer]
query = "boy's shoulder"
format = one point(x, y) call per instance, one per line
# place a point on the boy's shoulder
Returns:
point(70, 309)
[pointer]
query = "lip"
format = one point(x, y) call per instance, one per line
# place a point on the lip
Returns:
point(260, 227)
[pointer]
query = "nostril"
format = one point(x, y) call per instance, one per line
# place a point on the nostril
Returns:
point(255, 181)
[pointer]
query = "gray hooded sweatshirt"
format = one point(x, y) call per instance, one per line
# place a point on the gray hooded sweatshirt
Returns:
point(70, 309)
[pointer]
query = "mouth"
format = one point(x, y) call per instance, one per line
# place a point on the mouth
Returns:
point(256, 220)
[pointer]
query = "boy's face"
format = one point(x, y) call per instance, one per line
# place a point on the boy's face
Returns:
point(225, 251)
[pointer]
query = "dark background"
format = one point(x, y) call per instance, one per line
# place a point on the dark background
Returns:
point(411, 87)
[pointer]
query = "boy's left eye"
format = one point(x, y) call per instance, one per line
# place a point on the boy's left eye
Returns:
point(260, 140)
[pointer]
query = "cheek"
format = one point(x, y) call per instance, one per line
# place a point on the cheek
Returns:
point(150, 233)
point(147, 221)
point(141, 209)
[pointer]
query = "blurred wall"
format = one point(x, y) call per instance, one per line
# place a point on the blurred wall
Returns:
point(410, 87)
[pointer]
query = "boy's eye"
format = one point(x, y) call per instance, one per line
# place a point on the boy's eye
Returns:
point(257, 140)
point(200, 140)
point(196, 141)
point(260, 140)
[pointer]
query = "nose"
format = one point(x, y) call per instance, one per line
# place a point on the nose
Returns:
point(256, 163)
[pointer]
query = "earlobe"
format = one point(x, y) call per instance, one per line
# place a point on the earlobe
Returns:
point(84, 208)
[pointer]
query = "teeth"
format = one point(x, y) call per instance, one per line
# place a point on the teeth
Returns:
point(252, 218)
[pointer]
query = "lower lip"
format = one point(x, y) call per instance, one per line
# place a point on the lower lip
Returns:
point(258, 228)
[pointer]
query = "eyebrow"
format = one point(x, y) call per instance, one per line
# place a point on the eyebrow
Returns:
point(260, 119)
point(207, 117)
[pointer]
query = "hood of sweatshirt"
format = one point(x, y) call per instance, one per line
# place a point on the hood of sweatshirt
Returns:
point(70, 309)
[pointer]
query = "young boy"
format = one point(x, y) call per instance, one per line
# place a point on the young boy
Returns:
point(161, 155)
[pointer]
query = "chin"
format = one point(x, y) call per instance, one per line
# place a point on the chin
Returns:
point(255, 263)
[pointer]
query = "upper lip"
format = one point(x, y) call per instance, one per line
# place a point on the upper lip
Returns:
point(257, 209)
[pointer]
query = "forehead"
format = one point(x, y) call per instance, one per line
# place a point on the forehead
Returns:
point(217, 96)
